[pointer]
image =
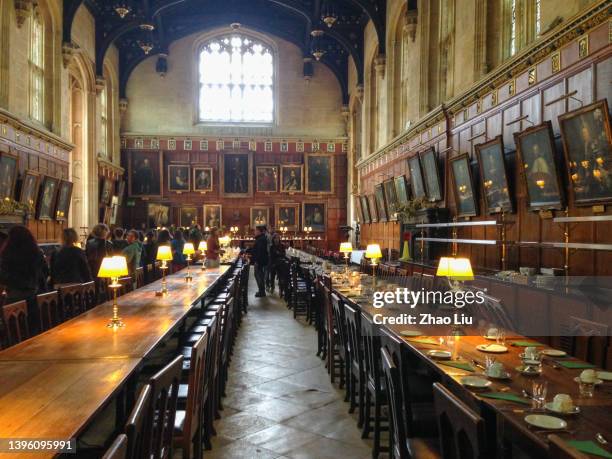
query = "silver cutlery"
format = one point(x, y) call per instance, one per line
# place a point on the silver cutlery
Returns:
point(601, 439)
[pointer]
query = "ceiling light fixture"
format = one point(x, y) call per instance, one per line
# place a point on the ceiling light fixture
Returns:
point(147, 26)
point(316, 49)
point(329, 15)
point(122, 9)
point(146, 46)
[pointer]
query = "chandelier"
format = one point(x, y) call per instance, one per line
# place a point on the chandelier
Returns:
point(328, 15)
point(146, 46)
point(122, 8)
point(316, 49)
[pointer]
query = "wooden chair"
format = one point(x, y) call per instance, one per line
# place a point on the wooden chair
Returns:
point(427, 282)
point(139, 442)
point(462, 431)
point(559, 449)
point(337, 358)
point(188, 422)
point(164, 395)
point(118, 450)
point(127, 285)
point(402, 446)
point(49, 310)
point(71, 299)
point(149, 273)
point(373, 387)
point(15, 316)
point(140, 277)
point(585, 339)
point(90, 299)
point(356, 375)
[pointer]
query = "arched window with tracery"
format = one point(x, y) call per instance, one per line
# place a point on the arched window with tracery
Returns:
point(236, 80)
point(36, 61)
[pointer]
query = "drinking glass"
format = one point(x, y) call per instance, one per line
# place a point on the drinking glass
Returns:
point(501, 337)
point(489, 361)
point(585, 389)
point(539, 390)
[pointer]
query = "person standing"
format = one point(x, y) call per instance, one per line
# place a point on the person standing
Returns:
point(98, 247)
point(69, 264)
point(132, 253)
point(259, 257)
point(213, 249)
point(118, 242)
point(277, 263)
point(177, 244)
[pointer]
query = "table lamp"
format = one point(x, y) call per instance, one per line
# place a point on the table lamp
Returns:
point(457, 270)
point(346, 248)
point(113, 268)
point(373, 252)
point(203, 247)
point(188, 250)
point(164, 254)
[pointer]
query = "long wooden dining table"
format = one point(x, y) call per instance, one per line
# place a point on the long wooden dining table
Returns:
point(54, 384)
point(505, 419)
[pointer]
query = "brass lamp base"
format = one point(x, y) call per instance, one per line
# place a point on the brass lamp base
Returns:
point(188, 278)
point(115, 323)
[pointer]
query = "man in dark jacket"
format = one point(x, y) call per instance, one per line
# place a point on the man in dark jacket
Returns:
point(259, 257)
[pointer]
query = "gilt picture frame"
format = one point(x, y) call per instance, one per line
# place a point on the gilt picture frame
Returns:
point(416, 177)
point(30, 184)
point(259, 216)
point(213, 216)
point(314, 214)
point(64, 195)
point(463, 186)
point(266, 179)
point(391, 199)
point(179, 178)
point(319, 173)
point(365, 208)
point(431, 174)
point(203, 179)
point(236, 174)
point(539, 167)
point(287, 214)
point(9, 167)
point(381, 202)
point(47, 198)
point(494, 176)
point(292, 178)
point(145, 174)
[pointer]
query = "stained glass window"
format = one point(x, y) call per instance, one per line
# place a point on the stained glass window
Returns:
point(104, 121)
point(512, 27)
point(37, 68)
point(236, 80)
point(538, 17)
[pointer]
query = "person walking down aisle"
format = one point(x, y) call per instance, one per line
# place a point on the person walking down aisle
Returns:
point(259, 257)
point(278, 266)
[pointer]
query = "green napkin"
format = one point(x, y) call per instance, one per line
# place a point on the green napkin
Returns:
point(423, 340)
point(506, 396)
point(589, 447)
point(525, 343)
point(457, 364)
point(575, 365)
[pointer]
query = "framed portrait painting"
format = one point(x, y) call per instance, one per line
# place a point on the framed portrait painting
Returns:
point(391, 198)
point(236, 171)
point(319, 173)
point(587, 142)
point(202, 179)
point(494, 176)
point(416, 177)
point(47, 197)
point(463, 186)
point(365, 208)
point(188, 216)
point(260, 216)
point(292, 178)
point(179, 178)
point(145, 175)
point(114, 209)
point(381, 203)
point(401, 190)
point(359, 210)
point(106, 191)
point(373, 208)
point(431, 174)
point(29, 188)
point(63, 200)
point(158, 215)
point(314, 214)
point(8, 174)
point(535, 147)
point(120, 192)
point(213, 216)
point(266, 179)
point(287, 214)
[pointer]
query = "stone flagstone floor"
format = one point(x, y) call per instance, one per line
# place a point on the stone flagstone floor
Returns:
point(280, 402)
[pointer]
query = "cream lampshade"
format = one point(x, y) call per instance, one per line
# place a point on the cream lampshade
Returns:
point(164, 253)
point(456, 270)
point(373, 252)
point(346, 247)
point(113, 268)
point(203, 247)
point(188, 249)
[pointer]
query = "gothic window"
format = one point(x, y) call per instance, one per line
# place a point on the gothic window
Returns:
point(37, 67)
point(236, 80)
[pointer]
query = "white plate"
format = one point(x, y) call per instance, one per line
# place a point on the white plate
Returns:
point(442, 355)
point(553, 353)
point(533, 371)
point(550, 407)
point(475, 381)
point(605, 375)
point(545, 422)
point(492, 348)
point(597, 382)
point(411, 333)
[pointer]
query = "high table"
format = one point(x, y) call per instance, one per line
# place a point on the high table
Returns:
point(54, 384)
point(505, 419)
